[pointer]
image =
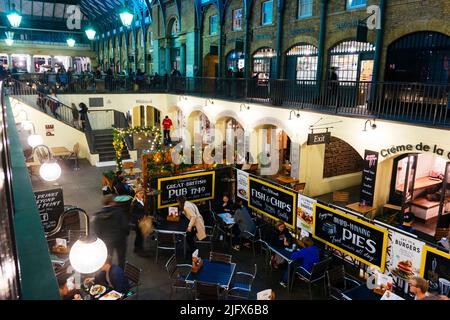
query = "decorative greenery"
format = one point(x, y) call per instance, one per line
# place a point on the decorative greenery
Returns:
point(152, 133)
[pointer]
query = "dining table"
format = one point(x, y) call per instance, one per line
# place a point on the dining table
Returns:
point(286, 180)
point(364, 209)
point(361, 292)
point(61, 152)
point(162, 225)
point(286, 254)
point(213, 272)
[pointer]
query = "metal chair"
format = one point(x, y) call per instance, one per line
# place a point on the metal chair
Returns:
point(133, 274)
point(338, 282)
point(220, 257)
point(253, 238)
point(165, 241)
point(206, 291)
point(207, 242)
point(242, 284)
point(177, 278)
point(317, 273)
point(74, 155)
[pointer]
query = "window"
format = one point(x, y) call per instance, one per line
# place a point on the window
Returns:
point(213, 25)
point(306, 64)
point(174, 28)
point(305, 8)
point(354, 4)
point(267, 12)
point(346, 57)
point(237, 19)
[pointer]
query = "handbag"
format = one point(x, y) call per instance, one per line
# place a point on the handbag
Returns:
point(146, 226)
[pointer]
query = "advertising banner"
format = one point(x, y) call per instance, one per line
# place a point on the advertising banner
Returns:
point(305, 210)
point(242, 184)
point(50, 204)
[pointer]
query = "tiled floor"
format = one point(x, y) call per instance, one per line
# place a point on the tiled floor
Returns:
point(83, 188)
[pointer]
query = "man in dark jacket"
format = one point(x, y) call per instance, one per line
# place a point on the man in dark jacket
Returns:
point(111, 225)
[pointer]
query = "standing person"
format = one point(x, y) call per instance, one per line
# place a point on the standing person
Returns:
point(53, 103)
point(75, 116)
point(111, 225)
point(83, 115)
point(196, 224)
point(110, 77)
point(419, 287)
point(243, 224)
point(307, 257)
point(333, 85)
point(137, 210)
point(167, 123)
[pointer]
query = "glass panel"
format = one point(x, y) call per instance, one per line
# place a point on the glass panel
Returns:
point(213, 25)
point(305, 8)
point(237, 19)
point(351, 4)
point(267, 12)
point(306, 68)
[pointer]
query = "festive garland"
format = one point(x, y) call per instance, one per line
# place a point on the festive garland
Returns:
point(152, 133)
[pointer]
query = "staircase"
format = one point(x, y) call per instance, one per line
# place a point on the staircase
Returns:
point(103, 144)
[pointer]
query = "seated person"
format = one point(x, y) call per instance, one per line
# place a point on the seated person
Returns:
point(243, 222)
point(281, 238)
point(445, 242)
point(307, 256)
point(408, 219)
point(116, 177)
point(123, 188)
point(112, 276)
point(225, 205)
point(66, 292)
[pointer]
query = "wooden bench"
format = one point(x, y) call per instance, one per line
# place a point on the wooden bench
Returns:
point(425, 209)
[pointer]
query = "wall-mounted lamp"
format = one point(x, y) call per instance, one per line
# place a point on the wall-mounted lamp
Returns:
point(89, 253)
point(243, 107)
point(373, 125)
point(182, 98)
point(50, 169)
point(296, 115)
point(208, 100)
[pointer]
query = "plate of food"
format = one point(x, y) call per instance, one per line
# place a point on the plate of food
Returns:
point(97, 290)
point(242, 192)
point(112, 295)
point(403, 270)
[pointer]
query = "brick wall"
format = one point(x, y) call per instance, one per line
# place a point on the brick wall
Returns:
point(340, 158)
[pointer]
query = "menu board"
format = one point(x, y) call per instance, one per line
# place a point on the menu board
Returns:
point(305, 210)
point(50, 204)
point(242, 184)
point(356, 238)
point(369, 177)
point(404, 255)
point(273, 201)
point(435, 268)
point(195, 187)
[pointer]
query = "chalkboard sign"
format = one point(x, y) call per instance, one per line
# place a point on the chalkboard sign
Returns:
point(273, 201)
point(195, 187)
point(50, 204)
point(369, 177)
point(435, 267)
point(359, 239)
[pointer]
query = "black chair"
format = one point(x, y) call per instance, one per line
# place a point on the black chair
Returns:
point(207, 242)
point(252, 237)
point(220, 257)
point(317, 273)
point(267, 256)
point(219, 226)
point(338, 282)
point(133, 274)
point(206, 291)
point(177, 274)
point(165, 241)
point(242, 285)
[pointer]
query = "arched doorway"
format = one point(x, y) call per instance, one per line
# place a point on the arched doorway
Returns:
point(211, 66)
point(420, 184)
point(419, 57)
point(232, 132)
point(301, 62)
point(174, 45)
point(235, 62)
point(263, 62)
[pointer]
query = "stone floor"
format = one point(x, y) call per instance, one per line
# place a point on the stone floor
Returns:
point(83, 188)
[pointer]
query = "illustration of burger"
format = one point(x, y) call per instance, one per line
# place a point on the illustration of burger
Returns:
point(404, 270)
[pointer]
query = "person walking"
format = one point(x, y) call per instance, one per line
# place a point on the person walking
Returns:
point(83, 115)
point(167, 123)
point(196, 224)
point(137, 210)
point(75, 116)
point(111, 225)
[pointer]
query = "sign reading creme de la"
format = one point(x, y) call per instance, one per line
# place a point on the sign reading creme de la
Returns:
point(419, 147)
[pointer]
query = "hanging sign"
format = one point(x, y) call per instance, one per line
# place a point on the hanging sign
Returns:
point(319, 138)
point(50, 204)
point(195, 187)
point(369, 177)
point(273, 201)
point(356, 238)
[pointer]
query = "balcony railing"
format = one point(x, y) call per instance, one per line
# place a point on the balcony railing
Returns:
point(418, 103)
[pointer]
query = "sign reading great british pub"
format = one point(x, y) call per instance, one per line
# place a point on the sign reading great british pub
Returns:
point(273, 201)
point(357, 238)
point(195, 187)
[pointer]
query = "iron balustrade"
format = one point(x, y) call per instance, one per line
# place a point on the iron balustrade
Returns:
point(418, 103)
